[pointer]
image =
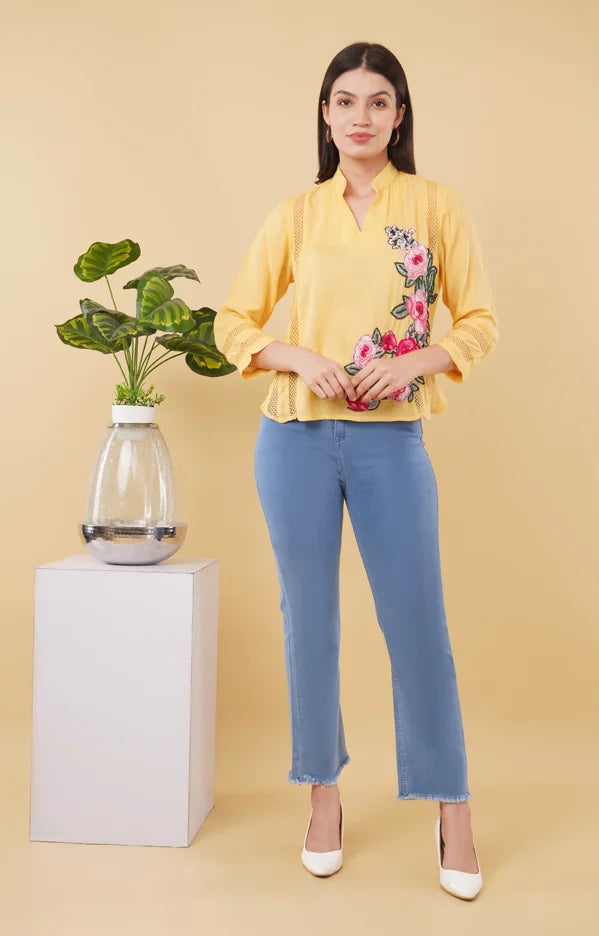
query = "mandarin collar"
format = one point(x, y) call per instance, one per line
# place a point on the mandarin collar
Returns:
point(387, 175)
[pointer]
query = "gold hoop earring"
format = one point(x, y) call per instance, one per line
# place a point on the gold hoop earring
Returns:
point(328, 136)
point(397, 140)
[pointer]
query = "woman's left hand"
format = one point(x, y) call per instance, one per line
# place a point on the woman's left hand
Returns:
point(382, 377)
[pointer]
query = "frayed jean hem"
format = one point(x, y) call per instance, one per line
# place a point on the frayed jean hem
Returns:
point(326, 781)
point(435, 796)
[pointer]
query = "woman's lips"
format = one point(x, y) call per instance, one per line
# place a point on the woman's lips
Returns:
point(360, 137)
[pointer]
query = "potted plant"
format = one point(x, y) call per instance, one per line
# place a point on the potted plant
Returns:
point(131, 510)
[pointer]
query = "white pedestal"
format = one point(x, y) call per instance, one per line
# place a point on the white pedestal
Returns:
point(124, 701)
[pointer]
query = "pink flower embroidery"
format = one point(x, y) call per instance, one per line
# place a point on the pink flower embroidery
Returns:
point(389, 341)
point(418, 270)
point(364, 350)
point(405, 345)
point(416, 261)
point(401, 394)
point(358, 405)
point(417, 307)
point(367, 348)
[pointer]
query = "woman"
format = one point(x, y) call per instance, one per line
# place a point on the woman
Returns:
point(368, 248)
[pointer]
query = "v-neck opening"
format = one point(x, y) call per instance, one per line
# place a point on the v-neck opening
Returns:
point(354, 220)
point(385, 177)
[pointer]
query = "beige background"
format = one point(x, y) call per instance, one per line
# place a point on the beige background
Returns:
point(180, 126)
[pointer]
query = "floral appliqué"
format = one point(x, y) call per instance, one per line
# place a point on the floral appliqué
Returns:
point(418, 271)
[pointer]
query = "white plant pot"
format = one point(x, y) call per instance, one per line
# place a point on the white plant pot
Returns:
point(132, 414)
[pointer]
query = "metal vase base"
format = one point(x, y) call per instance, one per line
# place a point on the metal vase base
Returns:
point(134, 544)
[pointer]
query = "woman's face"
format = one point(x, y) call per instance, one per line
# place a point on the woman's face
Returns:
point(362, 101)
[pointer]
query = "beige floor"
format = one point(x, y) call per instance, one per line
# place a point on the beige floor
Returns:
point(535, 821)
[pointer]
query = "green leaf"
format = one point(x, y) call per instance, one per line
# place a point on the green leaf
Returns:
point(399, 311)
point(113, 325)
point(209, 362)
point(430, 283)
point(101, 259)
point(168, 273)
point(155, 305)
point(88, 306)
point(188, 342)
point(202, 326)
point(203, 356)
point(81, 332)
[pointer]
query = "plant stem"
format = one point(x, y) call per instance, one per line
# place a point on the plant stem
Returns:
point(155, 363)
point(161, 360)
point(110, 290)
point(137, 364)
point(119, 363)
point(144, 348)
point(140, 361)
point(145, 360)
point(128, 359)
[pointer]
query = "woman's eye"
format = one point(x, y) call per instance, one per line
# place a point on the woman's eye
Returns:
point(347, 101)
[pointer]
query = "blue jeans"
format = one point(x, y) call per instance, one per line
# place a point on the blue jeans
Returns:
point(304, 471)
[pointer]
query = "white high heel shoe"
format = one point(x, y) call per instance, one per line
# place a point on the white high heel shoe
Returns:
point(322, 864)
point(465, 884)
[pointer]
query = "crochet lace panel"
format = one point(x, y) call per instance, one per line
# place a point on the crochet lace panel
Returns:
point(235, 356)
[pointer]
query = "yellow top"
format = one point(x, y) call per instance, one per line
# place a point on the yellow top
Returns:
point(362, 293)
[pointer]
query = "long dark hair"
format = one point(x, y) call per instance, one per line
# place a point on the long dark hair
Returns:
point(375, 58)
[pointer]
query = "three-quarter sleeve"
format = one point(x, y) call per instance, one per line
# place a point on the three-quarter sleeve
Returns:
point(466, 290)
point(262, 279)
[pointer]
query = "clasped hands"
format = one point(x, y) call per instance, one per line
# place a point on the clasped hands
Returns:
point(382, 377)
point(377, 379)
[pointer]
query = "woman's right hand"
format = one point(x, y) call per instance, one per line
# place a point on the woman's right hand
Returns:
point(325, 377)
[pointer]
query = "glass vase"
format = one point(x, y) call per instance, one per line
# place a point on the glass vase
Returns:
point(131, 513)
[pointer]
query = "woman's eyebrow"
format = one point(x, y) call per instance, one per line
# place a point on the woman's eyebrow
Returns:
point(376, 94)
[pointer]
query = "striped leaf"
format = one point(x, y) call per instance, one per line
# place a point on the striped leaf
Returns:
point(156, 306)
point(82, 332)
point(169, 273)
point(102, 259)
